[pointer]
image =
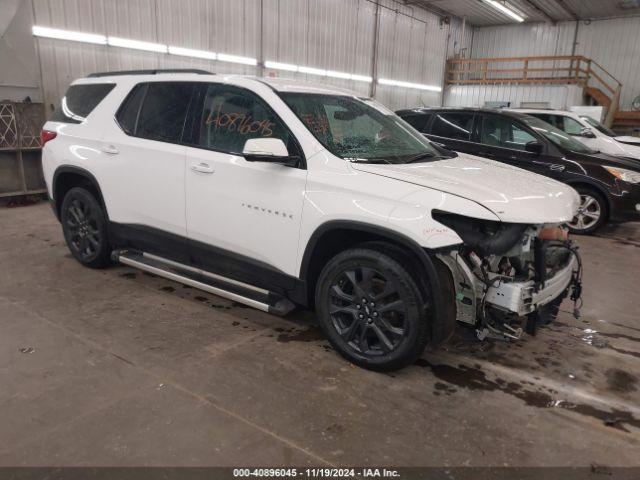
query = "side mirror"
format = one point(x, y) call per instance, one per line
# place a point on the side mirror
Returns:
point(271, 150)
point(587, 132)
point(534, 147)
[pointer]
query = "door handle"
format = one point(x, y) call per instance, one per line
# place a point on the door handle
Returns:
point(556, 167)
point(202, 168)
point(110, 149)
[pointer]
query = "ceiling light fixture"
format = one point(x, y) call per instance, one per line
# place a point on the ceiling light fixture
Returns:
point(419, 86)
point(68, 35)
point(503, 8)
point(136, 45)
point(223, 57)
point(188, 52)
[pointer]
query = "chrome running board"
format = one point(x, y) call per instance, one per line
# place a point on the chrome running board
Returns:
point(228, 288)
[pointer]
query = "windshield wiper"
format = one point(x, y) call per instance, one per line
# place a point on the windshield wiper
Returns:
point(421, 156)
point(369, 160)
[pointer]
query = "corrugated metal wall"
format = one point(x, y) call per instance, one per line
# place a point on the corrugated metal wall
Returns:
point(613, 43)
point(555, 96)
point(328, 34)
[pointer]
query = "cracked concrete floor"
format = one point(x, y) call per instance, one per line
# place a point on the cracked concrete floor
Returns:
point(118, 368)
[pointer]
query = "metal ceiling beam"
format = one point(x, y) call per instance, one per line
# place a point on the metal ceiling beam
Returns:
point(567, 9)
point(541, 11)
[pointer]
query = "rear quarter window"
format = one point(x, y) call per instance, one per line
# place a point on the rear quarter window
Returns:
point(80, 101)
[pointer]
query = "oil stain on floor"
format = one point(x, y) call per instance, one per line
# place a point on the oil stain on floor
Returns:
point(472, 378)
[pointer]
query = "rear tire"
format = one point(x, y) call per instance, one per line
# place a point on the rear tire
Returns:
point(84, 225)
point(371, 309)
point(592, 214)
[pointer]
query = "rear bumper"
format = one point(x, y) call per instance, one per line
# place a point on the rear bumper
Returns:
point(523, 298)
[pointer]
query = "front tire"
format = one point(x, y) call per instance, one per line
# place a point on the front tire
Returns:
point(371, 309)
point(592, 213)
point(84, 225)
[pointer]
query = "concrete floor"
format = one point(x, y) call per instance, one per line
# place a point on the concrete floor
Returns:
point(116, 367)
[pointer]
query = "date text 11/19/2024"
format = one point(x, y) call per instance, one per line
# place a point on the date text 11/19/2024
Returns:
point(316, 472)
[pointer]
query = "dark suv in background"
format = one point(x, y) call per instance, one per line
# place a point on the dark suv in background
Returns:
point(609, 186)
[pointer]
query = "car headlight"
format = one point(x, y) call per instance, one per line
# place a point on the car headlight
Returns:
point(625, 175)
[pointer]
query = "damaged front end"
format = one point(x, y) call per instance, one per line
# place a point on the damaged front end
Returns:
point(506, 273)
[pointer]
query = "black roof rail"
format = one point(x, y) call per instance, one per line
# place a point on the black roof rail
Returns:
point(149, 72)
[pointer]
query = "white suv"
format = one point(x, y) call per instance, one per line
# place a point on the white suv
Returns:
point(275, 193)
point(590, 132)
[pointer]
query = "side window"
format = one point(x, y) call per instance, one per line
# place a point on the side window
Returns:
point(79, 102)
point(571, 126)
point(127, 115)
point(456, 126)
point(163, 111)
point(418, 121)
point(504, 132)
point(231, 116)
point(551, 119)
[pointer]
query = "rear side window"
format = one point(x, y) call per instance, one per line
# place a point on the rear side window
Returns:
point(417, 121)
point(156, 111)
point(456, 126)
point(566, 124)
point(164, 111)
point(79, 102)
point(127, 116)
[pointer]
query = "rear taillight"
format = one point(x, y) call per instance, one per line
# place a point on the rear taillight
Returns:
point(46, 135)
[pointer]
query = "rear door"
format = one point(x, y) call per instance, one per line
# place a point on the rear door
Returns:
point(504, 138)
point(147, 164)
point(454, 130)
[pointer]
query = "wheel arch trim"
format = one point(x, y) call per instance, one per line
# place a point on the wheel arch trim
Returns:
point(422, 253)
point(63, 169)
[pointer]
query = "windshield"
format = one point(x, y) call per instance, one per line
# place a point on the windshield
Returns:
point(360, 130)
point(600, 127)
point(557, 136)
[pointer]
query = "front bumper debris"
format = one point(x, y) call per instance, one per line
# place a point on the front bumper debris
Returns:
point(522, 298)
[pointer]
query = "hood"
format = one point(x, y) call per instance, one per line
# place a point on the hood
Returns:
point(626, 139)
point(512, 194)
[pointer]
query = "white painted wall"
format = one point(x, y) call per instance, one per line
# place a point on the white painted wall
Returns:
point(327, 34)
point(19, 72)
point(558, 96)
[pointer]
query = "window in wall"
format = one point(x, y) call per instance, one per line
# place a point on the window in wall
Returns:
point(456, 126)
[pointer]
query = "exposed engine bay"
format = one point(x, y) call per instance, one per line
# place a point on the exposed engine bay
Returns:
point(510, 276)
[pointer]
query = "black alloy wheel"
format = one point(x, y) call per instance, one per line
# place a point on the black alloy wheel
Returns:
point(85, 228)
point(367, 311)
point(371, 309)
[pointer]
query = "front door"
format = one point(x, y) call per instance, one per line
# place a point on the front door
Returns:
point(243, 217)
point(504, 139)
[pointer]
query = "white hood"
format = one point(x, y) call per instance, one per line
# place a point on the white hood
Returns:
point(513, 194)
point(628, 139)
